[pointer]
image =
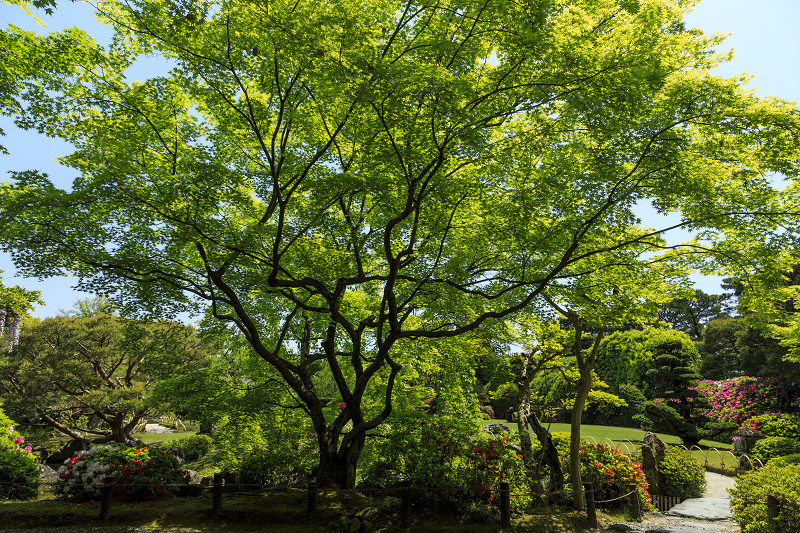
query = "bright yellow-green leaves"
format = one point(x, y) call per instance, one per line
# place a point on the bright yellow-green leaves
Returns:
point(353, 175)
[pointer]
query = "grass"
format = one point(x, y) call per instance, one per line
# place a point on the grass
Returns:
point(629, 439)
point(152, 438)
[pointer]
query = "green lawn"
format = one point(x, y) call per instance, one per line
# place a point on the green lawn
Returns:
point(151, 438)
point(629, 439)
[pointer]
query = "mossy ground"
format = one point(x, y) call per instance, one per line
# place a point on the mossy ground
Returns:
point(274, 511)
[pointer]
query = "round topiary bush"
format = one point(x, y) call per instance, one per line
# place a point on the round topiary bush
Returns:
point(681, 474)
point(19, 475)
point(271, 467)
point(766, 449)
point(748, 498)
point(194, 448)
point(775, 425)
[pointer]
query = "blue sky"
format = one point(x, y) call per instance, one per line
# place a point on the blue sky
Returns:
point(764, 37)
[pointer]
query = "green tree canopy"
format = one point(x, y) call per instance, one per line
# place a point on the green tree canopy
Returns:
point(15, 302)
point(91, 377)
point(335, 179)
point(690, 315)
point(628, 357)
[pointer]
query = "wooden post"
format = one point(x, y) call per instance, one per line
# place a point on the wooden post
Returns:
point(505, 504)
point(216, 502)
point(773, 510)
point(591, 510)
point(105, 497)
point(311, 504)
point(636, 511)
point(405, 504)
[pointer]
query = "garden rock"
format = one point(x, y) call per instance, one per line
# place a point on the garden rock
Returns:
point(178, 454)
point(192, 486)
point(47, 474)
point(510, 415)
point(653, 450)
point(619, 526)
point(704, 509)
point(496, 428)
point(360, 525)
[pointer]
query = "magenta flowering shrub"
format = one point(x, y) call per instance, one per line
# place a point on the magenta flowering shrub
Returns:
point(737, 399)
point(487, 412)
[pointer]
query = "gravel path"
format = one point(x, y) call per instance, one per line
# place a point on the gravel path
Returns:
point(718, 485)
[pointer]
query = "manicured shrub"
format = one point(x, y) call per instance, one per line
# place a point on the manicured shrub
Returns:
point(139, 474)
point(194, 448)
point(766, 449)
point(487, 413)
point(462, 462)
point(19, 475)
point(775, 425)
point(793, 459)
point(682, 475)
point(748, 498)
point(270, 467)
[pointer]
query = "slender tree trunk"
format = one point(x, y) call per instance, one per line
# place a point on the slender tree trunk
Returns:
point(575, 441)
point(550, 454)
point(584, 385)
point(525, 417)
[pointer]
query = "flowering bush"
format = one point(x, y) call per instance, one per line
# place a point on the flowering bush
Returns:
point(608, 469)
point(19, 475)
point(139, 474)
point(611, 471)
point(775, 425)
point(737, 399)
point(487, 412)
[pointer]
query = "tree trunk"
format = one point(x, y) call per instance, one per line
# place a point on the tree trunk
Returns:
point(337, 464)
point(584, 385)
point(550, 454)
point(575, 441)
point(525, 417)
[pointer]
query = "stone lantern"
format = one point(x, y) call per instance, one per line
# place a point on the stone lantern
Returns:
point(745, 438)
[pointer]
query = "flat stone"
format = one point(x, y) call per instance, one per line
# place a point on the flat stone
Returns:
point(693, 528)
point(157, 428)
point(620, 526)
point(704, 509)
